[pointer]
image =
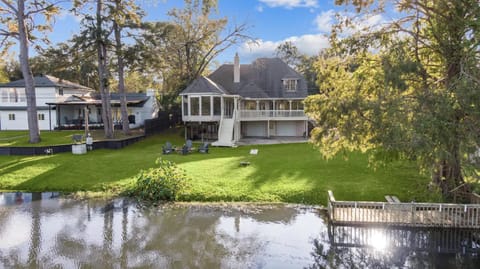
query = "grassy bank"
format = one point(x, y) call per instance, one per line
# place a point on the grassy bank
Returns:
point(293, 173)
point(20, 138)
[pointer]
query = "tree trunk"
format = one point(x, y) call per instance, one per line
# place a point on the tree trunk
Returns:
point(102, 73)
point(121, 80)
point(34, 132)
point(449, 175)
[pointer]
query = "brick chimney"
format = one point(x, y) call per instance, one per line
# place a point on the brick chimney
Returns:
point(236, 69)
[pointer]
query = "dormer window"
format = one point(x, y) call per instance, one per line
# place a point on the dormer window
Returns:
point(290, 85)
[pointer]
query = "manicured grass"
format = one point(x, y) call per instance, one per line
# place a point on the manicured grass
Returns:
point(293, 173)
point(20, 138)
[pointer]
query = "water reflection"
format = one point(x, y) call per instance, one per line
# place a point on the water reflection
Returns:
point(17, 198)
point(65, 233)
point(374, 247)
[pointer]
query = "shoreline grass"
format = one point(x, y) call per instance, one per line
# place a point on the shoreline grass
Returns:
point(291, 173)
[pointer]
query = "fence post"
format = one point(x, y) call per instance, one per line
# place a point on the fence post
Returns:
point(331, 206)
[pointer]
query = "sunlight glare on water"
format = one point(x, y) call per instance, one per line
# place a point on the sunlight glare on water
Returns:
point(379, 241)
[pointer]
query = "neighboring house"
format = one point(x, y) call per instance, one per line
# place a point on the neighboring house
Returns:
point(262, 99)
point(63, 104)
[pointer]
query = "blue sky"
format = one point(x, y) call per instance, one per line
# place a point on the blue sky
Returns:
point(304, 22)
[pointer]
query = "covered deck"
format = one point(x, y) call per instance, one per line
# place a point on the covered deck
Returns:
point(78, 112)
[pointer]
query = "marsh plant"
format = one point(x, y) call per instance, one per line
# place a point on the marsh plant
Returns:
point(162, 183)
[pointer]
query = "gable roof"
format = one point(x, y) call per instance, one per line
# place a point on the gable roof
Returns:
point(261, 79)
point(204, 85)
point(96, 99)
point(45, 81)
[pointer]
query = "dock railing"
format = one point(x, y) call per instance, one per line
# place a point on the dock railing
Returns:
point(403, 214)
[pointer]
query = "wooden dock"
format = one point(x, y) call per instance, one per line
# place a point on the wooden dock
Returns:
point(403, 214)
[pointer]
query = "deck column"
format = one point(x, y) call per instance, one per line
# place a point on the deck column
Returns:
point(50, 117)
point(221, 106)
point(188, 106)
point(268, 128)
point(306, 128)
point(211, 106)
point(289, 108)
point(182, 106)
point(273, 109)
point(58, 116)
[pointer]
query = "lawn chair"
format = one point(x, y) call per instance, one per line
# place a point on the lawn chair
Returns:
point(168, 148)
point(77, 138)
point(185, 150)
point(188, 144)
point(203, 148)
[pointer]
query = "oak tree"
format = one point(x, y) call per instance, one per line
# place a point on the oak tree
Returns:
point(405, 88)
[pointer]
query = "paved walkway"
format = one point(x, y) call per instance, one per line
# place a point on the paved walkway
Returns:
point(276, 140)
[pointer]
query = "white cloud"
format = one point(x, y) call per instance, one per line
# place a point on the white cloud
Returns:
point(65, 14)
point(306, 44)
point(289, 4)
point(324, 21)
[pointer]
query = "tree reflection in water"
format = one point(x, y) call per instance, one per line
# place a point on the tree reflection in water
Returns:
point(353, 247)
point(86, 234)
point(64, 233)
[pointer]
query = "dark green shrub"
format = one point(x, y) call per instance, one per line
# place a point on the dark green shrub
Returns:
point(160, 184)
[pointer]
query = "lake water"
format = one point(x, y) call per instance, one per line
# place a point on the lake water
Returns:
point(47, 231)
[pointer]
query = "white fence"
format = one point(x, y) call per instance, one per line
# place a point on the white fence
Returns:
point(404, 214)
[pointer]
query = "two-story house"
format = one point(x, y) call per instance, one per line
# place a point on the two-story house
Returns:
point(261, 99)
point(62, 104)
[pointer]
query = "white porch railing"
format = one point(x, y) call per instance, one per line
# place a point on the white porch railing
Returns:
point(258, 114)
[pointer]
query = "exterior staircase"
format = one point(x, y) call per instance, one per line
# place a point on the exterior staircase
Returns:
point(225, 133)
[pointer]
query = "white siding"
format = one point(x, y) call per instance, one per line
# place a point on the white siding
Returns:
point(45, 95)
point(18, 124)
point(21, 123)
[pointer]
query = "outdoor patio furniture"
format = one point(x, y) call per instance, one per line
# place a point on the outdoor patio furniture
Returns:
point(167, 148)
point(188, 144)
point(184, 150)
point(203, 148)
point(77, 138)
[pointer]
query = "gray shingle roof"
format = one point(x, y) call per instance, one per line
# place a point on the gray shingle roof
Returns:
point(45, 81)
point(95, 98)
point(261, 79)
point(204, 85)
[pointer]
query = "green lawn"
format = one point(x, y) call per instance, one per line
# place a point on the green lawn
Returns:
point(294, 173)
point(20, 138)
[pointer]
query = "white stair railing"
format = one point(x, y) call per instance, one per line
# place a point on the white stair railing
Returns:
point(225, 132)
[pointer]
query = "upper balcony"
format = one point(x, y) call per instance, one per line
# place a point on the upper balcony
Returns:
point(254, 115)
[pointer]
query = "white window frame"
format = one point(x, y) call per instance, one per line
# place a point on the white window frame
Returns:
point(12, 95)
point(290, 85)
